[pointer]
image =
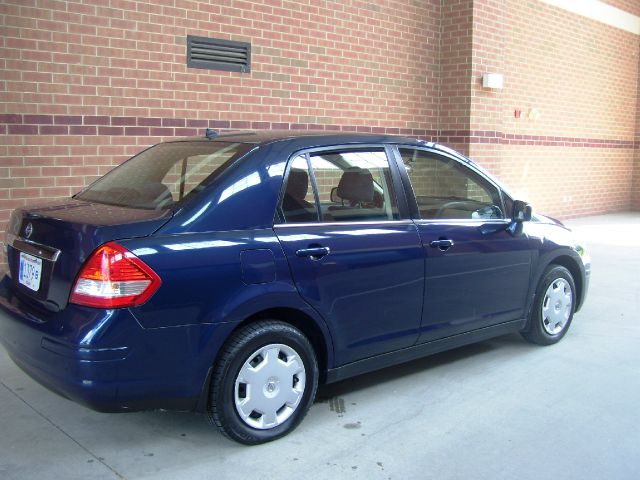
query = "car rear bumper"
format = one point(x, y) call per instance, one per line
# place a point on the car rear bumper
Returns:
point(104, 359)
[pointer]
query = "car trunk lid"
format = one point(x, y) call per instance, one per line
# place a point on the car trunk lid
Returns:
point(47, 245)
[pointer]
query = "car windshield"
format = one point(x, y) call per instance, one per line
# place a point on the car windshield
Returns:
point(164, 174)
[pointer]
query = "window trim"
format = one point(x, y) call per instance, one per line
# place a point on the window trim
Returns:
point(350, 222)
point(279, 217)
point(396, 180)
point(411, 195)
point(314, 187)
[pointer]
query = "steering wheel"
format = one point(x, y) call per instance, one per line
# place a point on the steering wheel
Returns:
point(451, 205)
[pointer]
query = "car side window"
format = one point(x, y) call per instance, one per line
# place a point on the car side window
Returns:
point(354, 185)
point(298, 202)
point(446, 189)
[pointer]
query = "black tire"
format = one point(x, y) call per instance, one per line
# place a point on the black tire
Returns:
point(537, 330)
point(238, 350)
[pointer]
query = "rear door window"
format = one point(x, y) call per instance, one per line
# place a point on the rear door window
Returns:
point(298, 201)
point(350, 186)
point(164, 174)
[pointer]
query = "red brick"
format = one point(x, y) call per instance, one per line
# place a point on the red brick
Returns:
point(198, 123)
point(219, 124)
point(96, 120)
point(40, 182)
point(82, 130)
point(173, 122)
point(38, 119)
point(123, 121)
point(186, 132)
point(23, 129)
point(24, 193)
point(160, 132)
point(110, 131)
point(136, 131)
point(150, 122)
point(53, 130)
point(55, 171)
point(69, 182)
point(58, 192)
point(67, 120)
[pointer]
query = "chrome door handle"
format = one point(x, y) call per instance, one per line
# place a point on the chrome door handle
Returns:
point(315, 253)
point(442, 244)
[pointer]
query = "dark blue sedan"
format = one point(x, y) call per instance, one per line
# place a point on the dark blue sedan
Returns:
point(233, 273)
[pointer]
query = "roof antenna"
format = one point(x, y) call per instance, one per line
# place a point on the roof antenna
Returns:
point(211, 133)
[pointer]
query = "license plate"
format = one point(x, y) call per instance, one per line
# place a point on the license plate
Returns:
point(30, 271)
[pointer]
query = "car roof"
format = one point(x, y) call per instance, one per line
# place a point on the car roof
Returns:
point(319, 138)
point(313, 137)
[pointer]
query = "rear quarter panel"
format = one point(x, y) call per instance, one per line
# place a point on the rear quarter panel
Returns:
point(203, 280)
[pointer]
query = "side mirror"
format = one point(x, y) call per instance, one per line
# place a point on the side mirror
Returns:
point(521, 214)
point(521, 211)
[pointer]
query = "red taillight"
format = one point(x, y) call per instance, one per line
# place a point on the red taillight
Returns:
point(113, 277)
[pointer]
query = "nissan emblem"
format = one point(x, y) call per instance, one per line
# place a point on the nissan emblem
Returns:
point(28, 230)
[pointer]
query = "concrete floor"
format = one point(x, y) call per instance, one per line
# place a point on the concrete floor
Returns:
point(498, 409)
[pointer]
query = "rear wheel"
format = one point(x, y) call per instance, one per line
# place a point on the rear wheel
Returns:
point(264, 382)
point(553, 307)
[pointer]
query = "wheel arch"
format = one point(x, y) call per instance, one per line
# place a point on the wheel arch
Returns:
point(313, 328)
point(303, 322)
point(572, 265)
point(567, 261)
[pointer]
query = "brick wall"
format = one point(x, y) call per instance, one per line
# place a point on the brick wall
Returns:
point(635, 186)
point(574, 80)
point(456, 35)
point(631, 6)
point(85, 84)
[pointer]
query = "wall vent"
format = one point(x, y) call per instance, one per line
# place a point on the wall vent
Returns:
point(216, 54)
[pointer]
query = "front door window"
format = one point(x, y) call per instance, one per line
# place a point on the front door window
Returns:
point(446, 189)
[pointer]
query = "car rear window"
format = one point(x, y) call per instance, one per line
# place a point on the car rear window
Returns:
point(164, 174)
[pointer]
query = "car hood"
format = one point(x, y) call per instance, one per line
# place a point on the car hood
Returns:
point(539, 218)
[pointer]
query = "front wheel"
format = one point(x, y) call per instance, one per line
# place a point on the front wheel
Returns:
point(264, 382)
point(553, 308)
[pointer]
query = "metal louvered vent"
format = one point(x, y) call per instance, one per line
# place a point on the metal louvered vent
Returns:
point(215, 54)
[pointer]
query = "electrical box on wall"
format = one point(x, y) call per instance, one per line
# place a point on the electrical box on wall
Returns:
point(494, 81)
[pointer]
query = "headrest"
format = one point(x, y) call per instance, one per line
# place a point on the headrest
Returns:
point(356, 185)
point(298, 183)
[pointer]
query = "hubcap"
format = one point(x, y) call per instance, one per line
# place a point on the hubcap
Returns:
point(269, 386)
point(556, 306)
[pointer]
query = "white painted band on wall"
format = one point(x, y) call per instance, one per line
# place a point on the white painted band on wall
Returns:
point(601, 12)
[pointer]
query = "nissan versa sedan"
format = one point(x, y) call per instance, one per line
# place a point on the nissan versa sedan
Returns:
point(233, 273)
